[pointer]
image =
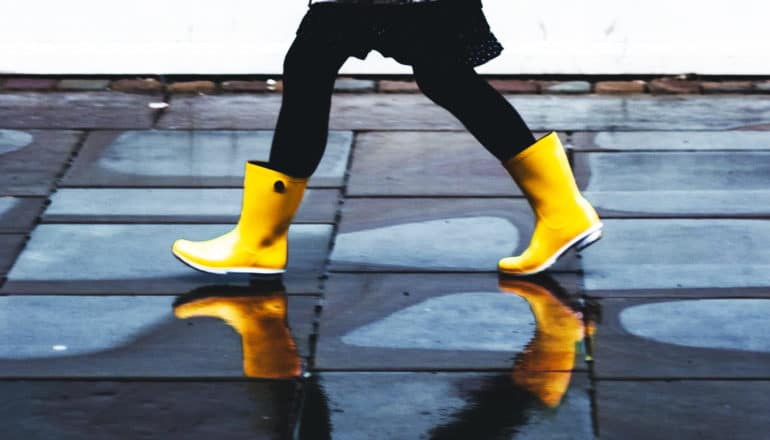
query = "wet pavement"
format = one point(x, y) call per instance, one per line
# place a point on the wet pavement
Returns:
point(391, 322)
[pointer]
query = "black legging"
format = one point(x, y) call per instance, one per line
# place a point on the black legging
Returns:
point(309, 73)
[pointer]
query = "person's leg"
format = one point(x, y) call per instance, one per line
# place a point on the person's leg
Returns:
point(564, 218)
point(309, 72)
point(487, 115)
point(272, 192)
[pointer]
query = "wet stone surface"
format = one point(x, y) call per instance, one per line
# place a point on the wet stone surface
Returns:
point(156, 158)
point(724, 184)
point(426, 164)
point(18, 215)
point(10, 246)
point(137, 259)
point(158, 205)
point(683, 409)
point(439, 322)
point(677, 253)
point(433, 235)
point(542, 112)
point(442, 406)
point(203, 333)
point(82, 109)
point(693, 338)
point(31, 160)
point(670, 140)
point(73, 410)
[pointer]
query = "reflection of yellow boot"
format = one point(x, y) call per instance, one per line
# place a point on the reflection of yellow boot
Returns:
point(269, 351)
point(258, 243)
point(545, 367)
point(564, 219)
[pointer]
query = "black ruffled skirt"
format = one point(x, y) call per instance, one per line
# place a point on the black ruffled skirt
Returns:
point(439, 32)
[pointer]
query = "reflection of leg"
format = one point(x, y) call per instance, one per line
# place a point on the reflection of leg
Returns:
point(269, 351)
point(309, 72)
point(487, 115)
point(545, 367)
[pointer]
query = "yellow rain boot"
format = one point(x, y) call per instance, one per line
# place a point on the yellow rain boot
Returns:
point(545, 367)
point(269, 351)
point(563, 218)
point(258, 243)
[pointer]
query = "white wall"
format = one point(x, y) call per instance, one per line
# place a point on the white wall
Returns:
point(251, 36)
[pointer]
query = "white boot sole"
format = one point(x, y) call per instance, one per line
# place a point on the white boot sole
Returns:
point(226, 270)
point(582, 241)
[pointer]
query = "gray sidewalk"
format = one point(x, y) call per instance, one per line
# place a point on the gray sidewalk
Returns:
point(397, 317)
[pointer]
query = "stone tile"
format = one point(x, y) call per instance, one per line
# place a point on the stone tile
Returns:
point(395, 86)
point(211, 332)
point(565, 86)
point(676, 184)
point(352, 85)
point(157, 158)
point(670, 140)
point(10, 246)
point(433, 235)
point(693, 338)
point(515, 85)
point(426, 164)
point(148, 409)
point(37, 84)
point(687, 410)
point(19, 215)
point(637, 255)
point(137, 259)
point(31, 160)
point(673, 86)
point(154, 205)
point(244, 86)
point(441, 406)
point(727, 86)
point(77, 110)
point(83, 84)
point(449, 322)
point(636, 86)
point(141, 85)
point(182, 87)
point(542, 112)
point(762, 86)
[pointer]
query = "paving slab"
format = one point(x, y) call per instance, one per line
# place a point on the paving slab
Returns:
point(10, 246)
point(542, 112)
point(449, 322)
point(442, 406)
point(137, 259)
point(676, 184)
point(683, 409)
point(428, 235)
point(658, 254)
point(158, 158)
point(426, 164)
point(143, 409)
point(674, 338)
point(79, 110)
point(19, 214)
point(219, 331)
point(670, 140)
point(31, 160)
point(158, 205)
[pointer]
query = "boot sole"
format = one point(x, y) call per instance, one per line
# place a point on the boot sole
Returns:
point(582, 241)
point(226, 270)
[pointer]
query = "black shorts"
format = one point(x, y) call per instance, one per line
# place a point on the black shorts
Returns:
point(453, 31)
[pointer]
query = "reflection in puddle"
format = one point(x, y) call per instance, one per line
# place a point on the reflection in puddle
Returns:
point(258, 314)
point(731, 324)
point(447, 405)
point(545, 366)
